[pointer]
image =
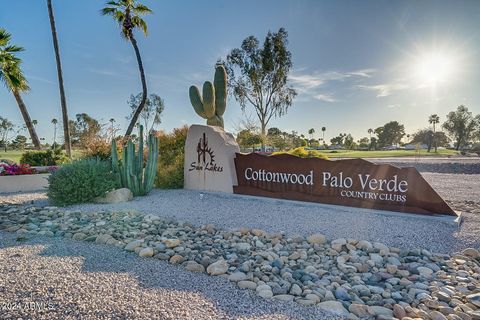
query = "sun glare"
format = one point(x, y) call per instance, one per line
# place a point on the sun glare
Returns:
point(434, 68)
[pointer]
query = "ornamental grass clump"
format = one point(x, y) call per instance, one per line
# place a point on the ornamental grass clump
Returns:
point(81, 181)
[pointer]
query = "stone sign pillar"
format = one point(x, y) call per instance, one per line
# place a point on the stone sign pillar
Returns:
point(209, 159)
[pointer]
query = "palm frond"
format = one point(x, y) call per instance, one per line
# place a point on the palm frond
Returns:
point(119, 17)
point(108, 11)
point(140, 23)
point(13, 77)
point(141, 9)
point(4, 37)
point(13, 48)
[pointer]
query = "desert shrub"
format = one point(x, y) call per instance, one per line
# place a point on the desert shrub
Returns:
point(171, 156)
point(96, 148)
point(170, 176)
point(302, 153)
point(81, 181)
point(44, 157)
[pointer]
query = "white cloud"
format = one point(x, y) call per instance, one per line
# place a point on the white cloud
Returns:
point(385, 89)
point(367, 73)
point(325, 97)
point(310, 85)
point(308, 81)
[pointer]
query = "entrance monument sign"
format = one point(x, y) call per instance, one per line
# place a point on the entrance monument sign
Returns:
point(209, 154)
point(355, 182)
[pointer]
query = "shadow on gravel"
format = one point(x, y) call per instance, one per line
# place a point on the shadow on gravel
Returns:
point(152, 274)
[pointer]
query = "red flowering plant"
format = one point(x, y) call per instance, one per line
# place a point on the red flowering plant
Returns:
point(15, 170)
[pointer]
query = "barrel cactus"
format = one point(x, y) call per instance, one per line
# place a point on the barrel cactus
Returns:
point(214, 101)
point(130, 171)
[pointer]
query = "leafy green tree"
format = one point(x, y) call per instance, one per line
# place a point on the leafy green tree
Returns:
point(433, 120)
point(19, 142)
point(84, 129)
point(313, 143)
point(128, 14)
point(338, 140)
point(258, 76)
point(151, 113)
point(274, 131)
point(278, 139)
point(426, 136)
point(349, 142)
point(248, 139)
point(63, 100)
point(462, 126)
point(6, 128)
point(390, 134)
point(12, 76)
point(364, 143)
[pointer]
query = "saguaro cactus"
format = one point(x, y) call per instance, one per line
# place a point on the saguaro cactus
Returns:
point(130, 171)
point(212, 105)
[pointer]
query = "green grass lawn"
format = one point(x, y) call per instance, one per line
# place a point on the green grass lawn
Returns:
point(15, 155)
point(386, 153)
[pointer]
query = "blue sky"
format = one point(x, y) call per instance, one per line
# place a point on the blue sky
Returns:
point(356, 64)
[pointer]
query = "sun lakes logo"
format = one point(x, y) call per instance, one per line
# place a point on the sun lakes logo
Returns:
point(205, 158)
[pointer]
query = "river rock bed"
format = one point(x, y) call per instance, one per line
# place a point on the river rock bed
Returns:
point(347, 277)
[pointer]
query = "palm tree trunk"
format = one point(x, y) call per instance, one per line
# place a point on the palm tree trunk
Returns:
point(54, 136)
point(144, 88)
point(26, 118)
point(63, 101)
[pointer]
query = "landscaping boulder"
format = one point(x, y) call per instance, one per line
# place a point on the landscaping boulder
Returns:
point(116, 196)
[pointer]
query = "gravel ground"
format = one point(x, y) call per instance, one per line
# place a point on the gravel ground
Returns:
point(72, 279)
point(231, 212)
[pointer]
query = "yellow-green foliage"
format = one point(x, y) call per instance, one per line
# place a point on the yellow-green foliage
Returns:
point(302, 153)
point(171, 158)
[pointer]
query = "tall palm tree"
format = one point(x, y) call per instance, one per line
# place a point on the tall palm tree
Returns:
point(12, 76)
point(54, 122)
point(311, 132)
point(323, 134)
point(370, 131)
point(434, 119)
point(63, 101)
point(128, 14)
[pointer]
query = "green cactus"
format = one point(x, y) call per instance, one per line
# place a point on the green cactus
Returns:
point(212, 105)
point(130, 171)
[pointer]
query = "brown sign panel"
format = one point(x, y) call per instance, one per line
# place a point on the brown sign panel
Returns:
point(355, 182)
